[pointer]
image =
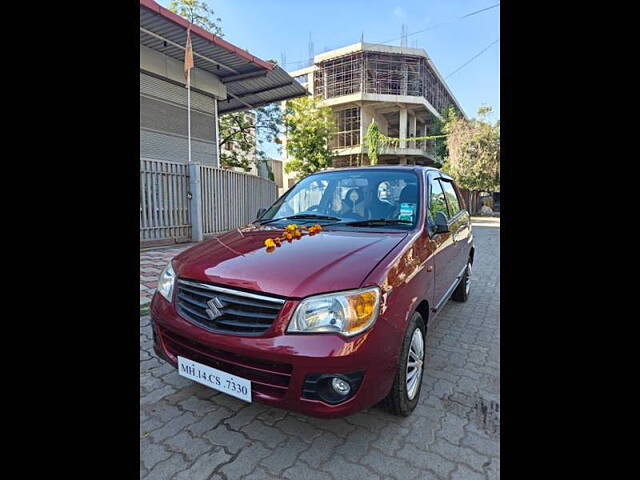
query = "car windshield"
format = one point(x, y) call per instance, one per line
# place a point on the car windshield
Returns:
point(352, 196)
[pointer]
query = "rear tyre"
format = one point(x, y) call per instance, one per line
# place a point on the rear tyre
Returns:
point(461, 293)
point(407, 383)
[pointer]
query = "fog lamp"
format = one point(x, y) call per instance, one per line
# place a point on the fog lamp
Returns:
point(340, 386)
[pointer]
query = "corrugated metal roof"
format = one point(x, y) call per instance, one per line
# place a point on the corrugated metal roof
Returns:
point(160, 29)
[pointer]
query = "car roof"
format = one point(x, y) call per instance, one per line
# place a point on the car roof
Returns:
point(381, 167)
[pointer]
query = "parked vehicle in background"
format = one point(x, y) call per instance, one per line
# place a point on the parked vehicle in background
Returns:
point(333, 320)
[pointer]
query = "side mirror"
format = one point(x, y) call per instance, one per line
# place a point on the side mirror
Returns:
point(261, 211)
point(442, 225)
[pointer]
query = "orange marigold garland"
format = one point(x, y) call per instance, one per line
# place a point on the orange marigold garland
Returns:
point(290, 233)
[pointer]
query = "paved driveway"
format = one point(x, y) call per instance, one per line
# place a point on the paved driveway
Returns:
point(188, 431)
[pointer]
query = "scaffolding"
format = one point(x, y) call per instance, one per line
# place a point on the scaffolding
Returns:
point(380, 73)
point(347, 123)
point(339, 76)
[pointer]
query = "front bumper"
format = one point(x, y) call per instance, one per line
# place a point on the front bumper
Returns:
point(278, 363)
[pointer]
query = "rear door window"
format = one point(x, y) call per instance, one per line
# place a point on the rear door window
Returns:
point(452, 199)
point(438, 203)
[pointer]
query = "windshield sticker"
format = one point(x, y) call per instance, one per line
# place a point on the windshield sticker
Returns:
point(407, 211)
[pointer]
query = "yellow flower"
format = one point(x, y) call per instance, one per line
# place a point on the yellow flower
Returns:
point(292, 228)
point(269, 243)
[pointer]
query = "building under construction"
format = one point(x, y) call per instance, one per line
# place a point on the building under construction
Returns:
point(398, 87)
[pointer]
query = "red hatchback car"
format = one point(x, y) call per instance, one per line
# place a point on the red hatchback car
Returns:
point(332, 319)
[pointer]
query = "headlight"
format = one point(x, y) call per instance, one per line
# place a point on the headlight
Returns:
point(347, 313)
point(165, 284)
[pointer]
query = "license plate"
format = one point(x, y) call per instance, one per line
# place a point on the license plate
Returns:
point(217, 379)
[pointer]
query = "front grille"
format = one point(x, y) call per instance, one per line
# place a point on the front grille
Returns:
point(268, 378)
point(224, 310)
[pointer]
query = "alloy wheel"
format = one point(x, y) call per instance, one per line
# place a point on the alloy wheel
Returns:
point(415, 363)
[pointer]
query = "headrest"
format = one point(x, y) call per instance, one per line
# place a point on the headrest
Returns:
point(409, 194)
point(347, 195)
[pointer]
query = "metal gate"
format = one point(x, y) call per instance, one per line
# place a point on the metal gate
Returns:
point(164, 205)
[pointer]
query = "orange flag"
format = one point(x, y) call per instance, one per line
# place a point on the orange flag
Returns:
point(188, 58)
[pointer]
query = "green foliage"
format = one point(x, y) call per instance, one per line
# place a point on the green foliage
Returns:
point(373, 142)
point(198, 13)
point(441, 149)
point(309, 128)
point(474, 152)
point(376, 139)
point(246, 133)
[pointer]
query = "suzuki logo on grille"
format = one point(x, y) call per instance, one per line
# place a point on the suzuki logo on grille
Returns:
point(214, 305)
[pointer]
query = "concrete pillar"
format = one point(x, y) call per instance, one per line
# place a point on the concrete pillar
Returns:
point(217, 120)
point(366, 115)
point(403, 127)
point(413, 128)
point(310, 84)
point(197, 233)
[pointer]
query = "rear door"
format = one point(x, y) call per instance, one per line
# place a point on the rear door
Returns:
point(459, 226)
point(444, 245)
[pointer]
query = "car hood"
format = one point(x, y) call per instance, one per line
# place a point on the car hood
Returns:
point(325, 262)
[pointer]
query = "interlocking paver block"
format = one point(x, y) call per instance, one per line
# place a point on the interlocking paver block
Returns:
point(205, 465)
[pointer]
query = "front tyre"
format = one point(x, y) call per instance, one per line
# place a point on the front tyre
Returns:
point(407, 384)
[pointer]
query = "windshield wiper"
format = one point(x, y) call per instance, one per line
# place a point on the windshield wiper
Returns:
point(310, 216)
point(376, 221)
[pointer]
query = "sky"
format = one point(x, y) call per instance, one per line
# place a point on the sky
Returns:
point(271, 28)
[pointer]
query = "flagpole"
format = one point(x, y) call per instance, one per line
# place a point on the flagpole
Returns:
point(189, 111)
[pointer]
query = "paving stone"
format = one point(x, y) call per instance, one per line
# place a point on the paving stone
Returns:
point(198, 406)
point(283, 457)
point(167, 468)
point(258, 431)
point(460, 454)
point(176, 380)
point(157, 395)
point(172, 427)
point(304, 431)
point(245, 462)
point(340, 468)
point(322, 449)
point(210, 421)
point(152, 453)
point(231, 440)
point(245, 415)
point(389, 466)
point(192, 448)
point(464, 473)
point(301, 471)
point(426, 460)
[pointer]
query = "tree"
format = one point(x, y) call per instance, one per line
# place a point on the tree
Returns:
point(309, 128)
point(246, 133)
point(474, 152)
point(440, 144)
point(197, 13)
